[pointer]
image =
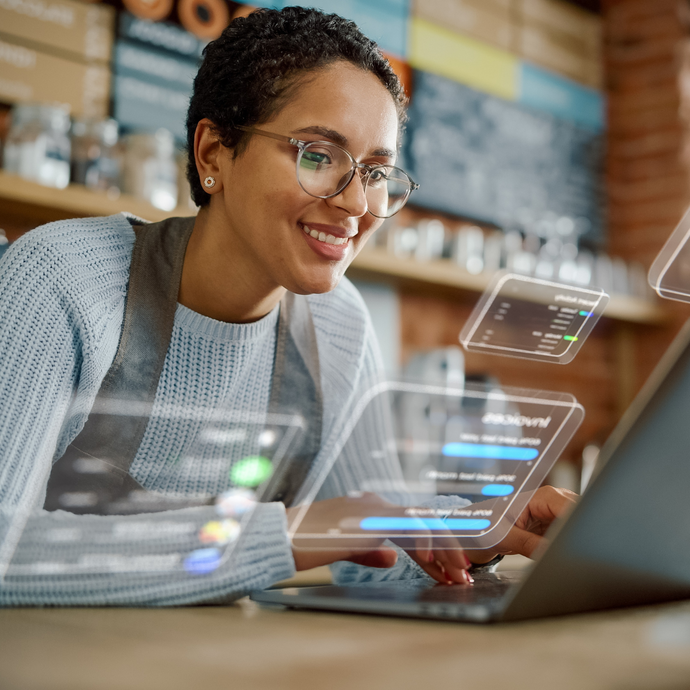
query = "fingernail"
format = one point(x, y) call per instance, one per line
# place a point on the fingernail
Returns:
point(440, 565)
point(467, 577)
point(468, 563)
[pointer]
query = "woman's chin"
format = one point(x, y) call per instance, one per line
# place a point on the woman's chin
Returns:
point(315, 284)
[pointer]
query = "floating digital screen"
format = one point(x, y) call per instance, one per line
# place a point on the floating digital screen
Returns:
point(468, 461)
point(230, 462)
point(521, 316)
point(669, 275)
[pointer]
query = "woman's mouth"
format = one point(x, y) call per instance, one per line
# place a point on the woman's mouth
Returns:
point(324, 236)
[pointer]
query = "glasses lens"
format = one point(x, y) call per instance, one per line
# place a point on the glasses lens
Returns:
point(387, 190)
point(323, 169)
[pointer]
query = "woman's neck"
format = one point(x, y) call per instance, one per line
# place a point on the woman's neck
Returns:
point(219, 280)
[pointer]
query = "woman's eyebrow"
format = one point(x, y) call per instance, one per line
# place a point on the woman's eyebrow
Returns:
point(340, 139)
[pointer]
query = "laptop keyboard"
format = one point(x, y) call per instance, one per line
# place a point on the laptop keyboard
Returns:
point(418, 598)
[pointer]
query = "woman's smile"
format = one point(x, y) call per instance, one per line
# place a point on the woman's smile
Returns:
point(322, 236)
point(328, 242)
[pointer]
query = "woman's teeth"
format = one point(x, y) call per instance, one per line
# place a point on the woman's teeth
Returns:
point(323, 237)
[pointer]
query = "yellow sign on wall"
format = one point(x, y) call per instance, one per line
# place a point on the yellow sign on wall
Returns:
point(464, 59)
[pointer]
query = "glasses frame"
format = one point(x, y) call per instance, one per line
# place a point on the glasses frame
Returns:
point(368, 169)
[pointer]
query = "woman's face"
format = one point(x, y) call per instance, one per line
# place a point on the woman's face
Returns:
point(265, 209)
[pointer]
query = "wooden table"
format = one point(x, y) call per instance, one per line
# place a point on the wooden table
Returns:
point(242, 646)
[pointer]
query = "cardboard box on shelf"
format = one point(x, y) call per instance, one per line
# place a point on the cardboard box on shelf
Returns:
point(488, 21)
point(79, 30)
point(30, 75)
point(571, 23)
point(552, 49)
point(593, 74)
point(502, 7)
point(505, 9)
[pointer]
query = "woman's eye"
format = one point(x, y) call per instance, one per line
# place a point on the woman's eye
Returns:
point(377, 177)
point(312, 160)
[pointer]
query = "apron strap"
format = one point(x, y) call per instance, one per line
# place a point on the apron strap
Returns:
point(92, 477)
point(296, 389)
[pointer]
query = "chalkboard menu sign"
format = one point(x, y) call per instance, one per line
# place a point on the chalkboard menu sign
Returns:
point(481, 157)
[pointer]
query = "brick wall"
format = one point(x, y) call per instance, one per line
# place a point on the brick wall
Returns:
point(648, 185)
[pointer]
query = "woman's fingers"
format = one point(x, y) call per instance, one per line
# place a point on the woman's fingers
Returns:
point(549, 503)
point(522, 542)
point(441, 557)
point(444, 573)
point(454, 562)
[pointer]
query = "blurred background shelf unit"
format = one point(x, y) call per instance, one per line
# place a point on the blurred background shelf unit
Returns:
point(31, 204)
point(549, 127)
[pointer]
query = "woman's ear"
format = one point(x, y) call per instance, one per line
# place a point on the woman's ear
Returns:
point(207, 155)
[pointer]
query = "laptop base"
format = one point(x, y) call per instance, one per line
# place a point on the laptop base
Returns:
point(481, 603)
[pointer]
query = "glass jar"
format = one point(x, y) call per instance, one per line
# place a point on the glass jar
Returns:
point(96, 158)
point(150, 170)
point(38, 145)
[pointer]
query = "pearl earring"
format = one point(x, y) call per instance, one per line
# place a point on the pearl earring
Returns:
point(210, 182)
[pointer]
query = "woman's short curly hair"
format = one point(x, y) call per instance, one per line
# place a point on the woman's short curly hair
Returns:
point(250, 71)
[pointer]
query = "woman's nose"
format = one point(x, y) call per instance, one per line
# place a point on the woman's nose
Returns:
point(353, 198)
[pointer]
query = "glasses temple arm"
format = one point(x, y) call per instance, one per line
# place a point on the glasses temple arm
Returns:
point(263, 133)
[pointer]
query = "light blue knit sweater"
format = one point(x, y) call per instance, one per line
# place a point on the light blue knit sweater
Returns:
point(62, 299)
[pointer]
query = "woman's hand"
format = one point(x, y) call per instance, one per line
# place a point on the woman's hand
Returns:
point(527, 534)
point(440, 555)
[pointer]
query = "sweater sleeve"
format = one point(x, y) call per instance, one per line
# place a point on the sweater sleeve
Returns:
point(48, 359)
point(142, 560)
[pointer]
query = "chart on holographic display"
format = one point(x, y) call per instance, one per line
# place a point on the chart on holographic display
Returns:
point(530, 318)
point(669, 275)
point(490, 447)
point(230, 464)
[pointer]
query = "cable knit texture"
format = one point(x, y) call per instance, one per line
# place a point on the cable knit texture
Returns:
point(62, 298)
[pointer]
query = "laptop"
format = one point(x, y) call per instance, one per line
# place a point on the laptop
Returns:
point(626, 543)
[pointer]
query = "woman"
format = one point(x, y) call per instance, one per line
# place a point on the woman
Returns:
point(278, 92)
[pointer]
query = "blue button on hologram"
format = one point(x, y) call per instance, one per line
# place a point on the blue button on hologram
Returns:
point(383, 524)
point(479, 450)
point(497, 490)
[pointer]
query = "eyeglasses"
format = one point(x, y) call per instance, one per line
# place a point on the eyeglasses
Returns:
point(324, 170)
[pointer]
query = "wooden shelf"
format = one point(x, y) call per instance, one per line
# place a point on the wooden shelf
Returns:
point(378, 262)
point(35, 203)
point(21, 198)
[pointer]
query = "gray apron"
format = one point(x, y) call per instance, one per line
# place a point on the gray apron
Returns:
point(92, 477)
